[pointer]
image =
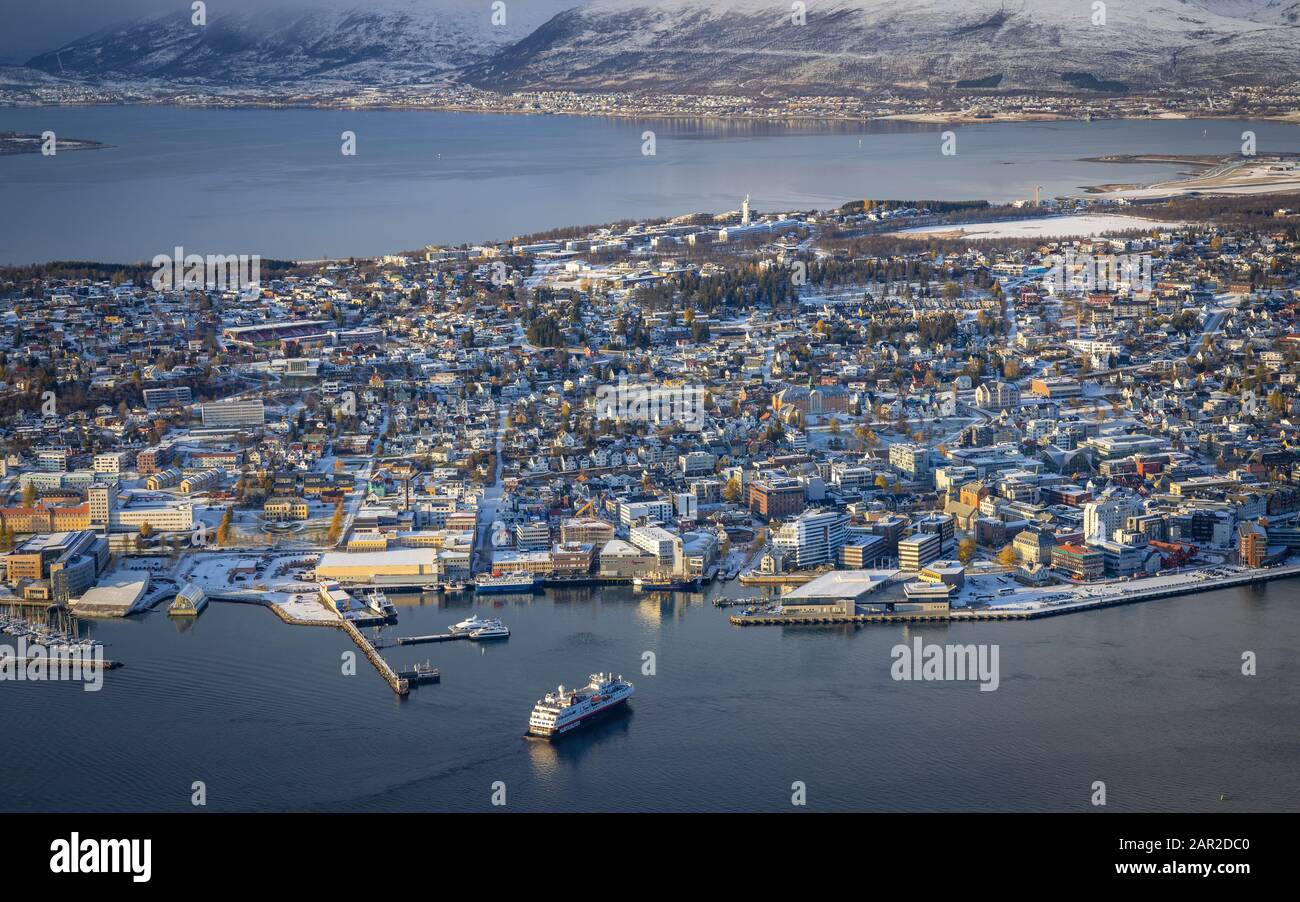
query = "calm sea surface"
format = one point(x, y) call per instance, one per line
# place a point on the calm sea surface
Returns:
point(1147, 698)
point(274, 182)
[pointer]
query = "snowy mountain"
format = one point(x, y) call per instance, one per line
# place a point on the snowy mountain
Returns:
point(844, 46)
point(383, 42)
point(710, 46)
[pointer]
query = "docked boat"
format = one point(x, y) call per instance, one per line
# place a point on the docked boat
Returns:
point(496, 631)
point(565, 710)
point(378, 602)
point(657, 584)
point(508, 582)
point(420, 674)
point(474, 622)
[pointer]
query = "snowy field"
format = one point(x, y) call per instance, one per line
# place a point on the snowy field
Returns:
point(1086, 225)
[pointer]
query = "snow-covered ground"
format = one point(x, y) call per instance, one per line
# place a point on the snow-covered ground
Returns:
point(235, 573)
point(1026, 598)
point(302, 606)
point(1084, 225)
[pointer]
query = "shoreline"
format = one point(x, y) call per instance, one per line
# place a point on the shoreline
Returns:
point(934, 117)
point(1228, 175)
point(1272, 574)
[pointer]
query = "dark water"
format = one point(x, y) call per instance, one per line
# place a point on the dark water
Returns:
point(1147, 698)
point(273, 182)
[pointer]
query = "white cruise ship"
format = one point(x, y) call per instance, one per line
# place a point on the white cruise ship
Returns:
point(567, 709)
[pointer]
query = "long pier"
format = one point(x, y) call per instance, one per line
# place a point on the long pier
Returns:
point(1092, 604)
point(806, 619)
point(435, 637)
point(399, 685)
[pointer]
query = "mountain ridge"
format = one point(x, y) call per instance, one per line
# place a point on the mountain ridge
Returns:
point(745, 47)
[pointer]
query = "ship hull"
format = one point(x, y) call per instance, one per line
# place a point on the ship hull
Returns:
point(577, 722)
point(481, 589)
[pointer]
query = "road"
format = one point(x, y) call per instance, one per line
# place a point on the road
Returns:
point(490, 504)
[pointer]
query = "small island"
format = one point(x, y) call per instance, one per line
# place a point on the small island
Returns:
point(12, 143)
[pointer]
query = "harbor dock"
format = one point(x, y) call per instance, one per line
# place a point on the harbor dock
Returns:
point(779, 579)
point(1167, 590)
point(436, 637)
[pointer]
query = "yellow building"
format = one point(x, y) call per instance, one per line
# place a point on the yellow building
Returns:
point(405, 566)
point(367, 541)
point(286, 509)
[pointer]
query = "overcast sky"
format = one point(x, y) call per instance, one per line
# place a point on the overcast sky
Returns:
point(29, 27)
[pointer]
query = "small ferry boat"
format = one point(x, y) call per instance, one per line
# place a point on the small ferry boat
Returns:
point(496, 631)
point(474, 622)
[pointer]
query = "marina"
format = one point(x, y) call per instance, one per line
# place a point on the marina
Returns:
point(472, 628)
point(85, 663)
point(52, 628)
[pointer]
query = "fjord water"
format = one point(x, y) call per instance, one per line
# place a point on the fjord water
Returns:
point(275, 183)
point(1149, 699)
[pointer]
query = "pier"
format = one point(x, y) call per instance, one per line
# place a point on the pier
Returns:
point(399, 685)
point(807, 619)
point(779, 579)
point(435, 637)
point(741, 602)
point(1086, 604)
